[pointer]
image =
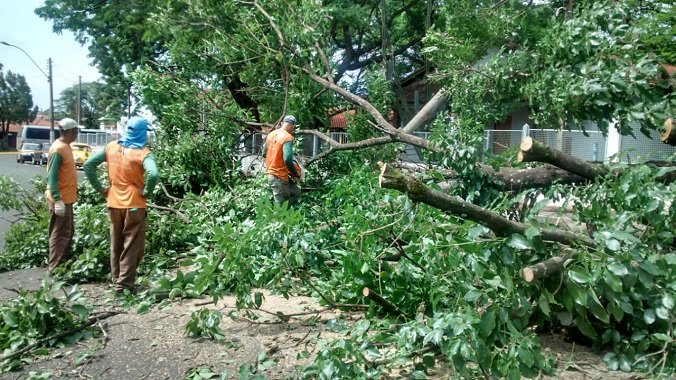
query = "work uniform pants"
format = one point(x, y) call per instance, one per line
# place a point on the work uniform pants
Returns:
point(61, 231)
point(127, 244)
point(284, 191)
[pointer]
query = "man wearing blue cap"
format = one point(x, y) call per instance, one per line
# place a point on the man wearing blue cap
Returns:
point(132, 175)
point(279, 163)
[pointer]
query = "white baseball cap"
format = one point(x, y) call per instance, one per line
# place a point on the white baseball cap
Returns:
point(67, 123)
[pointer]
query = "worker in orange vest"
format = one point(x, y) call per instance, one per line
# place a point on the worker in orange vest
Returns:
point(279, 162)
point(61, 193)
point(132, 175)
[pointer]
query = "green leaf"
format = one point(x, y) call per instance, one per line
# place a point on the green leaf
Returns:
point(519, 242)
point(668, 301)
point(662, 313)
point(585, 327)
point(613, 282)
point(618, 269)
point(365, 268)
point(613, 245)
point(10, 318)
point(487, 323)
point(650, 268)
point(81, 310)
point(665, 170)
point(625, 364)
point(579, 275)
point(472, 295)
point(612, 361)
point(649, 316)
point(543, 303)
point(526, 356)
point(670, 259)
point(531, 232)
point(596, 308)
point(662, 337)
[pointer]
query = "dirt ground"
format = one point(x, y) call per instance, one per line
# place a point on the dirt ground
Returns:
point(153, 346)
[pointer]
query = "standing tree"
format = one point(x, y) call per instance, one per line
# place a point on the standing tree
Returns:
point(92, 107)
point(16, 103)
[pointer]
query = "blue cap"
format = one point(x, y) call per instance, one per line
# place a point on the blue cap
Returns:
point(290, 119)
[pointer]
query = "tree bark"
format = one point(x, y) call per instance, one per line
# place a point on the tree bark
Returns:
point(668, 133)
point(386, 305)
point(533, 150)
point(391, 178)
point(508, 179)
point(543, 269)
point(516, 180)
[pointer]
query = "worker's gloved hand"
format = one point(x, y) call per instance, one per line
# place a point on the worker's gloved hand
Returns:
point(59, 208)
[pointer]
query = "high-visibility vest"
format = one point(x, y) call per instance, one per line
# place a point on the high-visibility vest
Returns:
point(67, 175)
point(274, 153)
point(125, 174)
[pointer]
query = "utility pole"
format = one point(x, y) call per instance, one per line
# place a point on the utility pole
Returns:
point(51, 102)
point(79, 98)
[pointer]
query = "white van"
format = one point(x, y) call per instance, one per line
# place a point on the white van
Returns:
point(35, 134)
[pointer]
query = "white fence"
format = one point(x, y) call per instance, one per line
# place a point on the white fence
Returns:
point(591, 145)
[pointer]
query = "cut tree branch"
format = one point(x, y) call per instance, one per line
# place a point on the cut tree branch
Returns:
point(533, 150)
point(668, 133)
point(391, 178)
point(545, 268)
point(87, 323)
point(389, 307)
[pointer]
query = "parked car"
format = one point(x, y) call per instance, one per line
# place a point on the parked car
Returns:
point(27, 151)
point(40, 157)
point(81, 153)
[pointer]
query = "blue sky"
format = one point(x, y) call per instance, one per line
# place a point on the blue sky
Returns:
point(20, 26)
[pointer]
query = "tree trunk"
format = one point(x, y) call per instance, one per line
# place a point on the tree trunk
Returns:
point(533, 150)
point(668, 134)
point(391, 178)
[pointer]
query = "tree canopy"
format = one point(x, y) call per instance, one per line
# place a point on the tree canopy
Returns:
point(95, 104)
point(16, 101)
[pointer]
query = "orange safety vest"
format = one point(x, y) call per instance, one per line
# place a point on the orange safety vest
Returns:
point(274, 154)
point(125, 174)
point(67, 175)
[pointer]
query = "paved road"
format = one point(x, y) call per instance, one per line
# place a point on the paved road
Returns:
point(22, 173)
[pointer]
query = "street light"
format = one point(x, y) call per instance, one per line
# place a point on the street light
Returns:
point(51, 89)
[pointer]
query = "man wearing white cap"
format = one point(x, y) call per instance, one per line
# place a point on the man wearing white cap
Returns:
point(61, 193)
point(279, 162)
